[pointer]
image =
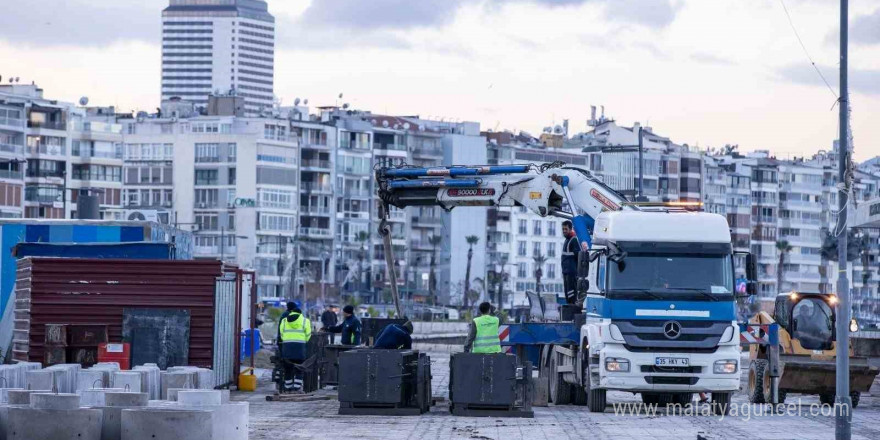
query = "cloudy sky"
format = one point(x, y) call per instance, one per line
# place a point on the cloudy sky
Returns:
point(704, 72)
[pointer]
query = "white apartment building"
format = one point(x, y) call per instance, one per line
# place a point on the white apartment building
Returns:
point(51, 152)
point(219, 46)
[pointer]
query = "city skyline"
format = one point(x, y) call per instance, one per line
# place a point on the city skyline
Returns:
point(498, 63)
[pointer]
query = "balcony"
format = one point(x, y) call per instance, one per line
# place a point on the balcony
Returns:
point(316, 232)
point(397, 147)
point(316, 187)
point(397, 216)
point(11, 174)
point(11, 148)
point(313, 145)
point(421, 245)
point(315, 163)
point(318, 210)
point(48, 125)
point(354, 145)
point(357, 192)
point(433, 152)
point(426, 221)
point(12, 122)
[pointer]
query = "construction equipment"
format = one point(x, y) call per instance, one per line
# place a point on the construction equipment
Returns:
point(656, 282)
point(806, 353)
point(384, 382)
point(489, 385)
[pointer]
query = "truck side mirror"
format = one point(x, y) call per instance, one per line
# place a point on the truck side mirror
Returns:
point(751, 274)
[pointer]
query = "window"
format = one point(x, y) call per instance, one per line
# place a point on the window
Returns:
point(205, 198)
point(207, 153)
point(551, 249)
point(536, 248)
point(105, 173)
point(230, 221)
point(275, 198)
point(537, 227)
point(551, 270)
point(521, 248)
point(276, 222)
point(551, 227)
point(231, 176)
point(206, 177)
point(523, 226)
point(207, 222)
point(522, 270)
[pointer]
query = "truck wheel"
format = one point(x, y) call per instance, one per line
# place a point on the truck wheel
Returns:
point(596, 398)
point(721, 403)
point(560, 391)
point(855, 399)
point(826, 399)
point(758, 388)
point(682, 399)
point(782, 396)
point(578, 395)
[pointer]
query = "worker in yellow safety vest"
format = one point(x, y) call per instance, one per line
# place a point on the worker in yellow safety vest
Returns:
point(483, 332)
point(294, 332)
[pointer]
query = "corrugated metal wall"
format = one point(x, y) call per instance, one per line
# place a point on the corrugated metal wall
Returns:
point(225, 330)
point(95, 291)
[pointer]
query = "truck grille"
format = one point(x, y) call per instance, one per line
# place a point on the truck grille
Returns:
point(649, 333)
point(666, 380)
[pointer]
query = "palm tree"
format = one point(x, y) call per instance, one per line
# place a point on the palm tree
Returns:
point(784, 248)
point(498, 278)
point(539, 263)
point(435, 241)
point(471, 241)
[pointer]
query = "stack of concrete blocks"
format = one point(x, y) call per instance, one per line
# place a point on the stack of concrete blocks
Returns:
point(197, 415)
point(114, 404)
point(152, 379)
point(53, 416)
point(204, 376)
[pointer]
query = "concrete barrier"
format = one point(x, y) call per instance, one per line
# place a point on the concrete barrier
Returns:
point(22, 397)
point(161, 423)
point(199, 397)
point(111, 428)
point(77, 424)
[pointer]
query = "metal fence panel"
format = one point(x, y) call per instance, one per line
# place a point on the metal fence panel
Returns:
point(225, 331)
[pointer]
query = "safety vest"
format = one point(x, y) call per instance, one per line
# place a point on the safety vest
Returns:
point(297, 331)
point(487, 335)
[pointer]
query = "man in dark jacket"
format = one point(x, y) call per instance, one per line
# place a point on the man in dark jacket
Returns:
point(329, 319)
point(570, 250)
point(395, 337)
point(350, 327)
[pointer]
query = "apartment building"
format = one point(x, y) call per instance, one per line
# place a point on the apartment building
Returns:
point(52, 152)
point(219, 46)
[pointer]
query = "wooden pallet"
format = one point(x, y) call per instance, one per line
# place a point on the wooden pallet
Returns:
point(298, 397)
point(464, 410)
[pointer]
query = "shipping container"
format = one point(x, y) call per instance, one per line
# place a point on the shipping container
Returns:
point(138, 250)
point(97, 291)
point(15, 231)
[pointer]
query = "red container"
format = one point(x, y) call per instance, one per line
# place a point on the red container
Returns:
point(118, 352)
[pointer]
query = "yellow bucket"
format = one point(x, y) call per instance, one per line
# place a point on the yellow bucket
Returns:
point(247, 381)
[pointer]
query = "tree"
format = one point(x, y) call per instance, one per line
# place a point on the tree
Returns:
point(784, 248)
point(498, 278)
point(432, 280)
point(471, 241)
point(539, 263)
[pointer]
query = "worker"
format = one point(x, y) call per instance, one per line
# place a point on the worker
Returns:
point(329, 319)
point(483, 332)
point(294, 332)
point(395, 337)
point(350, 327)
point(291, 306)
point(570, 250)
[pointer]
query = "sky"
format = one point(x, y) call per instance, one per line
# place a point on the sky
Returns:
point(702, 72)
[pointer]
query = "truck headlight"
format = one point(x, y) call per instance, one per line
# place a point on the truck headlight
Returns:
point(615, 333)
point(617, 364)
point(725, 366)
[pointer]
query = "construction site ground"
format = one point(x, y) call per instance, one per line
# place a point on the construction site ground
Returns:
point(319, 419)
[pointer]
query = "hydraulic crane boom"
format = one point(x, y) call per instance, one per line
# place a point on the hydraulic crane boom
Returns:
point(548, 190)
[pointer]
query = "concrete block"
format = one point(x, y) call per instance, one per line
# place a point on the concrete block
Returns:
point(177, 379)
point(55, 401)
point(228, 422)
point(540, 391)
point(95, 396)
point(160, 423)
point(117, 399)
point(172, 393)
point(131, 381)
point(88, 379)
point(30, 424)
point(65, 377)
point(4, 394)
point(153, 380)
point(199, 397)
point(224, 396)
point(21, 397)
point(41, 380)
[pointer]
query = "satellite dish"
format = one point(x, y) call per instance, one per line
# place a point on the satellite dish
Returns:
point(397, 126)
point(306, 102)
point(421, 128)
point(406, 126)
point(373, 121)
point(385, 124)
point(345, 106)
point(17, 79)
point(340, 96)
point(296, 101)
point(84, 100)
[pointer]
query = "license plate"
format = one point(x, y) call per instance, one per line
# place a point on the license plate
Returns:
point(671, 362)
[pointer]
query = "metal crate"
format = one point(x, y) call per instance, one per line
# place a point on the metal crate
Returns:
point(384, 382)
point(489, 385)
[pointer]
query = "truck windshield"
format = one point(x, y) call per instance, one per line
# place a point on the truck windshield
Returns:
point(672, 276)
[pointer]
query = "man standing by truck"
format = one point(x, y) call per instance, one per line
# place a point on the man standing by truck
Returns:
point(483, 332)
point(570, 250)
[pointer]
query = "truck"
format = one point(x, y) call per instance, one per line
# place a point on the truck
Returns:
point(656, 310)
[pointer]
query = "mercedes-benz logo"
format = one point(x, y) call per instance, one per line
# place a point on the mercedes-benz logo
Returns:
point(672, 329)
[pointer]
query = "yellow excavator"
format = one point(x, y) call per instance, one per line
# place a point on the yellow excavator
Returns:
point(807, 350)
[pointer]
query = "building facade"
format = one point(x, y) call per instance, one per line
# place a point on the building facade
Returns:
point(219, 46)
